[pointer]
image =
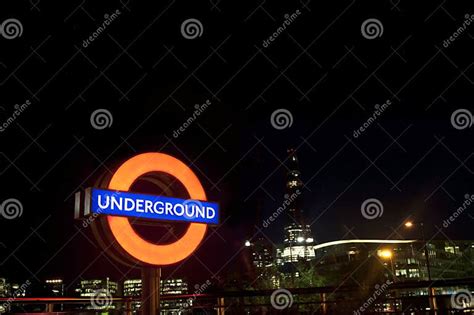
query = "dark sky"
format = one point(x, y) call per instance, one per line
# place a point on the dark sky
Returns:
point(149, 77)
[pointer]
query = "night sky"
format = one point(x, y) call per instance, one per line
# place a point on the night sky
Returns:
point(150, 77)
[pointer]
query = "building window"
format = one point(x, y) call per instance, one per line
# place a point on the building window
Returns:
point(413, 273)
point(292, 183)
point(449, 249)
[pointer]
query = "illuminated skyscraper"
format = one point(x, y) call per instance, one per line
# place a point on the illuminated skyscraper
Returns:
point(90, 288)
point(4, 287)
point(298, 239)
point(133, 288)
point(54, 287)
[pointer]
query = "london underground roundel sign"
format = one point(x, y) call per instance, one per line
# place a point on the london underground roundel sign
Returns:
point(122, 230)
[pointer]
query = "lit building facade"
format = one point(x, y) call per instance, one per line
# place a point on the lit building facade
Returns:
point(173, 286)
point(88, 288)
point(261, 253)
point(398, 262)
point(298, 240)
point(4, 288)
point(133, 288)
point(17, 290)
point(54, 287)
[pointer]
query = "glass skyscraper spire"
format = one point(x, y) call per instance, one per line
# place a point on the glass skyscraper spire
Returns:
point(298, 239)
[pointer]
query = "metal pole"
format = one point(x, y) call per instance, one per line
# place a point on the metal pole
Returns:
point(324, 306)
point(394, 278)
point(128, 307)
point(220, 306)
point(150, 291)
point(431, 292)
point(427, 256)
point(49, 307)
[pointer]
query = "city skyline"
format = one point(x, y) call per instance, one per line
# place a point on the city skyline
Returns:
point(305, 123)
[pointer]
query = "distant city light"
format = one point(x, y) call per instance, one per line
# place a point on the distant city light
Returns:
point(309, 240)
point(300, 239)
point(247, 243)
point(385, 253)
point(54, 281)
point(409, 224)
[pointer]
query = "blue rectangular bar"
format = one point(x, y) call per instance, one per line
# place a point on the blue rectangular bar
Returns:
point(128, 204)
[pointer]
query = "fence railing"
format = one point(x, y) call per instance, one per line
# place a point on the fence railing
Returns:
point(399, 298)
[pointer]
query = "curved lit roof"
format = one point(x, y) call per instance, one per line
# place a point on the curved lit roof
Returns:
point(340, 242)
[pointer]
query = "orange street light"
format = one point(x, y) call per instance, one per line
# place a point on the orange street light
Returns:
point(410, 224)
point(385, 253)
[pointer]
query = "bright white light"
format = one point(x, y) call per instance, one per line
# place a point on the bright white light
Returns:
point(362, 241)
point(247, 243)
point(300, 239)
point(309, 240)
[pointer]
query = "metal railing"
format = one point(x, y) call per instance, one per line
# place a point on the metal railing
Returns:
point(317, 300)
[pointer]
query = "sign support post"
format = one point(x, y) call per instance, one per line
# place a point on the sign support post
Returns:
point(151, 291)
point(116, 204)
